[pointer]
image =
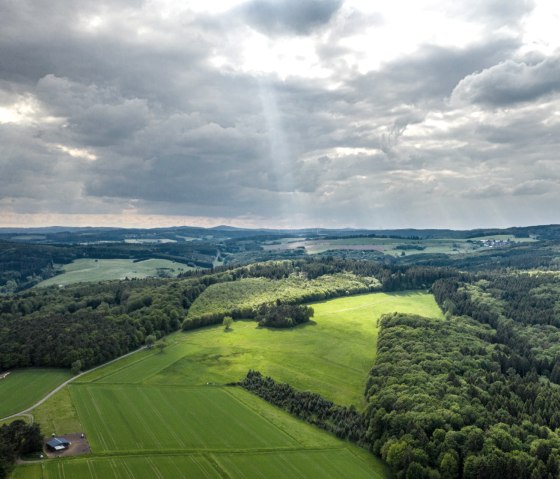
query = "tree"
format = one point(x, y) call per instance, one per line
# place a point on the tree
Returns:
point(150, 340)
point(161, 345)
point(76, 366)
point(228, 321)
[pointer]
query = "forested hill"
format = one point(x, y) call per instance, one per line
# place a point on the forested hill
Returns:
point(94, 323)
point(29, 256)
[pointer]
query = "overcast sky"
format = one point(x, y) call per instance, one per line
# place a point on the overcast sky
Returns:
point(280, 113)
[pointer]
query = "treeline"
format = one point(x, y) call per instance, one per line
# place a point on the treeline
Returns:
point(93, 323)
point(439, 404)
point(281, 315)
point(17, 439)
point(393, 277)
point(541, 255)
point(344, 422)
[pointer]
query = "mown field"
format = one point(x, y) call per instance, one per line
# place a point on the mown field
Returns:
point(87, 269)
point(24, 387)
point(169, 414)
point(171, 418)
point(327, 464)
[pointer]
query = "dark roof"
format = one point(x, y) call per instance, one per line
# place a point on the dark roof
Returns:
point(58, 443)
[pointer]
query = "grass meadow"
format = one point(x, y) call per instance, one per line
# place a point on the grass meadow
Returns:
point(330, 356)
point(93, 270)
point(24, 387)
point(169, 414)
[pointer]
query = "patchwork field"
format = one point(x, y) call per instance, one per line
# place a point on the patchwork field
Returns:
point(169, 418)
point(330, 356)
point(396, 246)
point(87, 269)
point(23, 388)
point(154, 414)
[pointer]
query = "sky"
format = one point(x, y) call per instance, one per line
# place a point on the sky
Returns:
point(280, 113)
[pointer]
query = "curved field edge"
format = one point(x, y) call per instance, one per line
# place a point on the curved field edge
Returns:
point(24, 387)
point(337, 348)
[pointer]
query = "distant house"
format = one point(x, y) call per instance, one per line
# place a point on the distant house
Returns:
point(58, 444)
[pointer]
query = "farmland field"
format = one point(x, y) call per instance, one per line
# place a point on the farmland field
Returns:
point(23, 388)
point(147, 467)
point(316, 464)
point(337, 348)
point(396, 246)
point(326, 464)
point(153, 414)
point(87, 269)
point(58, 414)
point(171, 418)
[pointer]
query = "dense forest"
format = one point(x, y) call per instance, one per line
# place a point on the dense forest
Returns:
point(441, 405)
point(94, 323)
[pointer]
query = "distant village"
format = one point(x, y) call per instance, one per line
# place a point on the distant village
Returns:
point(494, 243)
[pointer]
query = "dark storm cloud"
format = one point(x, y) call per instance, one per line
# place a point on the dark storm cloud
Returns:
point(510, 82)
point(298, 17)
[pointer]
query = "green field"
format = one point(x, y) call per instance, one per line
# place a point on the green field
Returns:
point(24, 387)
point(91, 270)
point(145, 467)
point(335, 464)
point(171, 418)
point(153, 414)
point(337, 348)
point(325, 464)
point(58, 414)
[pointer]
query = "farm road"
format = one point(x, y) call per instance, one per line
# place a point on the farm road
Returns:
point(27, 412)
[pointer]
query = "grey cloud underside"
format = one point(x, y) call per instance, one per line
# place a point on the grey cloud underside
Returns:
point(510, 82)
point(173, 134)
point(299, 17)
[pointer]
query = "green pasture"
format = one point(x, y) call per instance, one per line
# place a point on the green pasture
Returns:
point(303, 464)
point(58, 414)
point(330, 355)
point(137, 467)
point(24, 387)
point(175, 432)
point(145, 418)
point(92, 270)
point(326, 464)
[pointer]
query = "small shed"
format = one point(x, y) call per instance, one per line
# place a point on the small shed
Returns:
point(58, 444)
